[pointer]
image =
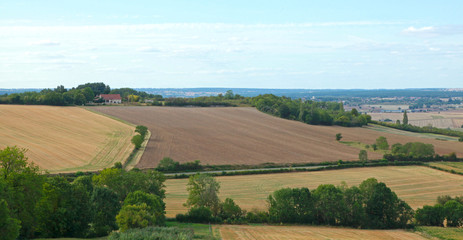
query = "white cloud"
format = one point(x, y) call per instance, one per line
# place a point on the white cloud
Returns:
point(45, 43)
point(433, 31)
point(148, 49)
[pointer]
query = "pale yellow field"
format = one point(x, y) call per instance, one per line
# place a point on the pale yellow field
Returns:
point(418, 186)
point(64, 139)
point(242, 232)
point(446, 119)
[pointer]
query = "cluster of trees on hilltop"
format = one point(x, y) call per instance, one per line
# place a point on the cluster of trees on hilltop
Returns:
point(371, 205)
point(311, 112)
point(36, 205)
point(82, 94)
point(447, 209)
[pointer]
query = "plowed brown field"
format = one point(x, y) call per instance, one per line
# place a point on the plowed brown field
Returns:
point(241, 232)
point(62, 139)
point(247, 136)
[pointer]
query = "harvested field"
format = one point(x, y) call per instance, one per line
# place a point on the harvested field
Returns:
point(447, 119)
point(246, 136)
point(65, 139)
point(449, 166)
point(417, 186)
point(243, 232)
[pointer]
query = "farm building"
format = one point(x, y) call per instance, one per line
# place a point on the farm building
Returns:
point(111, 98)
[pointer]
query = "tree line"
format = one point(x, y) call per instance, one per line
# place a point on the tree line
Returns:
point(371, 205)
point(80, 95)
point(308, 111)
point(33, 204)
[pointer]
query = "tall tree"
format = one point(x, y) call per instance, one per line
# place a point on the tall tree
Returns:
point(9, 227)
point(405, 119)
point(203, 191)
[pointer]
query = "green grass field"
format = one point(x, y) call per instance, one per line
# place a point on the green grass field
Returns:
point(202, 231)
point(441, 233)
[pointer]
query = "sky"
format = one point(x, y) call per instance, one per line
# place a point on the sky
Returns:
point(336, 44)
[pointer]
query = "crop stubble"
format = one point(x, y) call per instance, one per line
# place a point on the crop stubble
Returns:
point(243, 232)
point(416, 185)
point(247, 136)
point(61, 139)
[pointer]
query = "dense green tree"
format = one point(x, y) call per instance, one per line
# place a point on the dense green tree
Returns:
point(97, 88)
point(405, 118)
point(167, 164)
point(123, 182)
point(142, 130)
point(355, 215)
point(203, 191)
point(230, 211)
point(155, 205)
point(430, 215)
point(291, 206)
point(329, 204)
point(134, 216)
point(64, 209)
point(413, 149)
point(21, 187)
point(382, 143)
point(137, 140)
point(105, 206)
point(338, 136)
point(453, 213)
point(363, 156)
point(9, 227)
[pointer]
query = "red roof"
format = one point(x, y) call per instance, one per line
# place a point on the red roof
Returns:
point(111, 96)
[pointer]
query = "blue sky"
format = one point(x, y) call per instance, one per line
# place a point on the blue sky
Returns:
point(249, 44)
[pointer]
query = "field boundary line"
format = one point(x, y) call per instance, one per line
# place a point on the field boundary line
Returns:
point(135, 156)
point(109, 116)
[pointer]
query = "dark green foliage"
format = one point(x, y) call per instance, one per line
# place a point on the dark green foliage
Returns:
point(413, 150)
point(137, 140)
point(371, 205)
point(64, 209)
point(405, 119)
point(105, 206)
point(124, 182)
point(149, 233)
point(291, 206)
point(460, 139)
point(169, 165)
point(203, 191)
point(199, 215)
point(363, 155)
point(382, 143)
point(338, 136)
point(142, 130)
point(230, 212)
point(311, 112)
point(329, 204)
point(257, 216)
point(134, 216)
point(9, 227)
point(96, 88)
point(155, 205)
point(430, 215)
point(454, 213)
point(21, 187)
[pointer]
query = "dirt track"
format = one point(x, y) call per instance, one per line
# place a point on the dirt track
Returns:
point(246, 136)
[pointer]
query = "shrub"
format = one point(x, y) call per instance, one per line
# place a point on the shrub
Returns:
point(338, 136)
point(137, 140)
point(149, 233)
point(142, 130)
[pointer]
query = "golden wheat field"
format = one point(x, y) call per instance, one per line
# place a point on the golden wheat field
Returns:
point(64, 139)
point(444, 119)
point(416, 185)
point(243, 232)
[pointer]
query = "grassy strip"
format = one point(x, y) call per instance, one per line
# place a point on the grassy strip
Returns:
point(444, 170)
point(201, 231)
point(136, 154)
point(411, 128)
point(321, 168)
point(440, 232)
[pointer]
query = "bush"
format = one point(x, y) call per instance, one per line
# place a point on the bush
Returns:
point(134, 216)
point(161, 233)
point(137, 140)
point(142, 130)
point(199, 215)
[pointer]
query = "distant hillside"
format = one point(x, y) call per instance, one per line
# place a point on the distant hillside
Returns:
point(305, 93)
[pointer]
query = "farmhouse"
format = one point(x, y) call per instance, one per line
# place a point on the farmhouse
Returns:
point(111, 98)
